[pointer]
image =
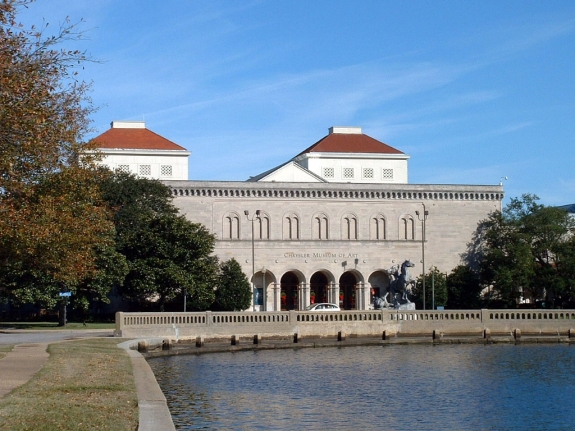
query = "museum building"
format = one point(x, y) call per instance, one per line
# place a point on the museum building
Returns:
point(329, 225)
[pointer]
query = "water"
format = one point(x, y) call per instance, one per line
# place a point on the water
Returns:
point(419, 387)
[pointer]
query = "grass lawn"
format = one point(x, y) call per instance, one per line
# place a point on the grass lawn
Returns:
point(86, 385)
point(54, 325)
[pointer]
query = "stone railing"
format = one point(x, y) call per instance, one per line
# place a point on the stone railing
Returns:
point(352, 323)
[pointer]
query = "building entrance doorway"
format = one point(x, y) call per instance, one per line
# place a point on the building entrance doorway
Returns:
point(379, 282)
point(347, 284)
point(318, 291)
point(289, 284)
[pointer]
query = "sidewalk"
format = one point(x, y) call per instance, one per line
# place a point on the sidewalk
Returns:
point(29, 354)
point(20, 365)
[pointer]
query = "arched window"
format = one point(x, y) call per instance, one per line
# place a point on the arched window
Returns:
point(262, 227)
point(377, 228)
point(291, 226)
point(320, 227)
point(349, 227)
point(231, 226)
point(407, 228)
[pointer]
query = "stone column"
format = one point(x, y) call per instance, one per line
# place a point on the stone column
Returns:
point(277, 297)
point(303, 295)
point(359, 299)
point(264, 291)
point(332, 295)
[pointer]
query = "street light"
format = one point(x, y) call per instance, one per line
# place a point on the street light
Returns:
point(255, 216)
point(264, 291)
point(422, 219)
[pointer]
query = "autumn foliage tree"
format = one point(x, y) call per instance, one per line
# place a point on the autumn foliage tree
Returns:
point(52, 218)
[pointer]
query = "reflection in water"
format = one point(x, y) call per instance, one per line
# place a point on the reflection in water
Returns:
point(422, 387)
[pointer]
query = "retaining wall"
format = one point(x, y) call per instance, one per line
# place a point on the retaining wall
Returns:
point(212, 325)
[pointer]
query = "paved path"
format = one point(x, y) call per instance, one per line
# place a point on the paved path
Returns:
point(26, 336)
point(29, 354)
point(20, 365)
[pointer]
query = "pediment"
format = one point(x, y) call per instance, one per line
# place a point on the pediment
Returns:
point(290, 172)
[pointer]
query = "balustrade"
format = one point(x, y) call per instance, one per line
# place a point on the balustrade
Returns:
point(362, 321)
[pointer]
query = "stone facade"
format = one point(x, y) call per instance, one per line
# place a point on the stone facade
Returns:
point(333, 242)
point(327, 225)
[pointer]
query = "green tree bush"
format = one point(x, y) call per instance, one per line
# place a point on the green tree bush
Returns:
point(435, 290)
point(527, 250)
point(463, 289)
point(167, 256)
point(233, 292)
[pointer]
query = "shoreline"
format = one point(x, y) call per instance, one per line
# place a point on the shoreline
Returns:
point(188, 347)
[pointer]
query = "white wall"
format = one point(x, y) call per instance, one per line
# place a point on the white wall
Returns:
point(156, 159)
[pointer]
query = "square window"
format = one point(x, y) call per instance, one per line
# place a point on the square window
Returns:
point(328, 173)
point(387, 174)
point(166, 170)
point(145, 170)
point(368, 173)
point(348, 173)
point(123, 168)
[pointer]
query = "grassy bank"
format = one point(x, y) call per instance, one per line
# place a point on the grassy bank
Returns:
point(40, 326)
point(85, 385)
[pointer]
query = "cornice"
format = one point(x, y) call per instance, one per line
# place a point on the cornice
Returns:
point(339, 191)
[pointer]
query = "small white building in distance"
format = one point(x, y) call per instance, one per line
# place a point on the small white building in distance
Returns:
point(129, 147)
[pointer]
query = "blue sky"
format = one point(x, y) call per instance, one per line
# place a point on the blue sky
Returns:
point(473, 91)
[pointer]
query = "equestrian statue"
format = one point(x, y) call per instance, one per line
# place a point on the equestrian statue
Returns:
point(400, 284)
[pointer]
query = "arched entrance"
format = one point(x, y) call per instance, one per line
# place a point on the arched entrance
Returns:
point(318, 288)
point(347, 284)
point(289, 284)
point(265, 296)
point(379, 282)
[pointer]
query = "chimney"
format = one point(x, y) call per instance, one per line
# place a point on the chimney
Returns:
point(345, 130)
point(128, 124)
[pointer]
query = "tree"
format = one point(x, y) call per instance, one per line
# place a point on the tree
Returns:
point(167, 255)
point(233, 292)
point(435, 289)
point(51, 217)
point(463, 289)
point(527, 251)
point(71, 229)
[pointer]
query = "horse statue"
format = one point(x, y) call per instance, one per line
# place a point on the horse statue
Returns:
point(400, 284)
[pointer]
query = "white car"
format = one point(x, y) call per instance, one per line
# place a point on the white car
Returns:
point(322, 306)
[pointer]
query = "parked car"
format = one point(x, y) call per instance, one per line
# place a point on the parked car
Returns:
point(322, 306)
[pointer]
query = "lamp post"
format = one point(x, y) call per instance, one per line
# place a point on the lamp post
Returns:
point(423, 219)
point(265, 288)
point(254, 217)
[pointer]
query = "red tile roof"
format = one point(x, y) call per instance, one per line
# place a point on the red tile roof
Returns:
point(350, 143)
point(135, 139)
